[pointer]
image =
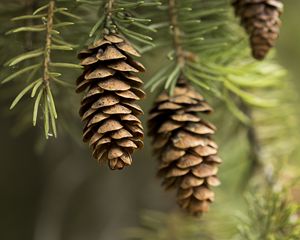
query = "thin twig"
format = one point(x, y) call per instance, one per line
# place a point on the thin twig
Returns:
point(49, 29)
point(253, 141)
point(176, 33)
point(109, 8)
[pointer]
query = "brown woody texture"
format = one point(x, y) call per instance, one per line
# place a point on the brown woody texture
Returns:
point(188, 158)
point(112, 127)
point(261, 19)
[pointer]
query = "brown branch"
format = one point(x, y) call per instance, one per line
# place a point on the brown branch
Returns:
point(49, 29)
point(176, 33)
point(255, 149)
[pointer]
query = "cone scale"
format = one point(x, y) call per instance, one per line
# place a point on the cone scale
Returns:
point(188, 160)
point(109, 109)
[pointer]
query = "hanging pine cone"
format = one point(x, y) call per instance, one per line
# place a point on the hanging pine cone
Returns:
point(182, 139)
point(108, 108)
point(261, 21)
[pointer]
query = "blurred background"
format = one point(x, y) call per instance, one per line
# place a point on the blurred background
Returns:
point(58, 192)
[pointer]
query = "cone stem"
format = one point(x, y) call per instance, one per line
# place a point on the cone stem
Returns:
point(109, 9)
point(49, 29)
point(176, 33)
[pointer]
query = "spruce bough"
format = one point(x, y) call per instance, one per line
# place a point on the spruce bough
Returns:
point(204, 54)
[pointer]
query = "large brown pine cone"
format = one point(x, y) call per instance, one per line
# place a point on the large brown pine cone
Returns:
point(188, 158)
point(261, 21)
point(112, 126)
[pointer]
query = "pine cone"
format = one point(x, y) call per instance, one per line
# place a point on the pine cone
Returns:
point(182, 139)
point(108, 108)
point(261, 21)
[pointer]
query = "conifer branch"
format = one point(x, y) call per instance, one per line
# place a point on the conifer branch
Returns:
point(49, 29)
point(254, 148)
point(37, 66)
point(276, 141)
point(254, 143)
point(176, 33)
point(270, 216)
point(193, 25)
point(120, 17)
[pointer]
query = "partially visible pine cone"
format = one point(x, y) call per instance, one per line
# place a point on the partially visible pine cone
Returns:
point(261, 21)
point(108, 108)
point(182, 139)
